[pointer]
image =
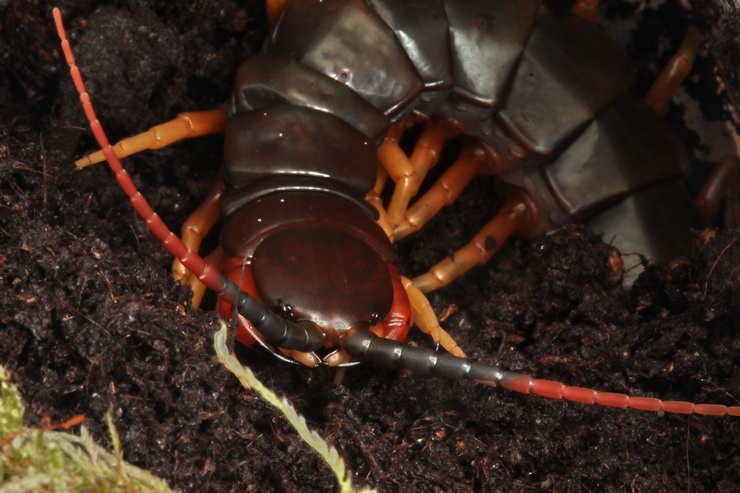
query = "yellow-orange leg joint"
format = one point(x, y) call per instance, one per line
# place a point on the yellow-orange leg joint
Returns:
point(724, 180)
point(193, 230)
point(409, 172)
point(444, 192)
point(513, 216)
point(674, 73)
point(426, 320)
point(183, 126)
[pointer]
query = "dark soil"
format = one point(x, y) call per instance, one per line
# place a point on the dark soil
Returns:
point(91, 321)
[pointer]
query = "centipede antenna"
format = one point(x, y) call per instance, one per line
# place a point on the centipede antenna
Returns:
point(363, 344)
point(277, 330)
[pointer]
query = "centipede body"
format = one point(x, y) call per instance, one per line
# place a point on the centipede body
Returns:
point(428, 435)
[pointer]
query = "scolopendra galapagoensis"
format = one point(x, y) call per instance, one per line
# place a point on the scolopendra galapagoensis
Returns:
point(572, 379)
point(306, 247)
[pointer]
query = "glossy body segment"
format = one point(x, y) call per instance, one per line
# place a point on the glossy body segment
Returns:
point(621, 177)
point(245, 228)
point(268, 80)
point(422, 29)
point(348, 42)
point(625, 149)
point(569, 74)
point(297, 220)
point(543, 92)
point(658, 222)
point(487, 39)
point(263, 145)
point(290, 271)
point(281, 194)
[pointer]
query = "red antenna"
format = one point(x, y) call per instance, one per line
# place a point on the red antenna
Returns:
point(279, 331)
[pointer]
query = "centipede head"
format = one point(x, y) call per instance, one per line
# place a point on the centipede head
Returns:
point(317, 274)
point(323, 275)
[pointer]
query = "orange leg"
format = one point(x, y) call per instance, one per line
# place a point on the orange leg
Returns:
point(408, 302)
point(514, 215)
point(388, 152)
point(444, 192)
point(193, 230)
point(373, 198)
point(587, 9)
point(409, 172)
point(396, 324)
point(183, 126)
point(724, 181)
point(674, 72)
point(426, 320)
point(215, 260)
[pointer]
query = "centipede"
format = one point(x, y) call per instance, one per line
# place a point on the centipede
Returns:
point(320, 105)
